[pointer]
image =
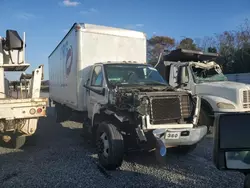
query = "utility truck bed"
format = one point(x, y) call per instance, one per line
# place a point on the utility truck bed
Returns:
point(22, 108)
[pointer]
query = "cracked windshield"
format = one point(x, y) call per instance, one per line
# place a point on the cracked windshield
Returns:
point(207, 75)
point(133, 75)
point(124, 94)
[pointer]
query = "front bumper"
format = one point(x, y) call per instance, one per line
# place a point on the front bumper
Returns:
point(188, 136)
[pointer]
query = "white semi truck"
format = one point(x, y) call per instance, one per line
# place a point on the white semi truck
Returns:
point(19, 114)
point(101, 73)
point(200, 74)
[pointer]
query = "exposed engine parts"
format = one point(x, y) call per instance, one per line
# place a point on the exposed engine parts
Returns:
point(161, 106)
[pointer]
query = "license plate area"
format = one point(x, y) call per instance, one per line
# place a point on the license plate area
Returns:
point(172, 135)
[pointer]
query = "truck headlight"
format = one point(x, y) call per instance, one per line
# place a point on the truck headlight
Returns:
point(225, 105)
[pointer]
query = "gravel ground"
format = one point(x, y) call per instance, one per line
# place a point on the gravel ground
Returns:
point(56, 156)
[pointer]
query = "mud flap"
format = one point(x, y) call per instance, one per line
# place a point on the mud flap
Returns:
point(160, 147)
point(160, 151)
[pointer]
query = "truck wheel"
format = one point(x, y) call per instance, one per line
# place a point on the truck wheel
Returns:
point(184, 149)
point(15, 142)
point(110, 146)
point(204, 119)
point(18, 141)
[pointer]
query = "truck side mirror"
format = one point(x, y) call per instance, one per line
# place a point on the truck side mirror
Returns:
point(182, 78)
point(13, 41)
point(232, 142)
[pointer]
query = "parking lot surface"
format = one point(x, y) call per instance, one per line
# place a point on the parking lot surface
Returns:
point(57, 156)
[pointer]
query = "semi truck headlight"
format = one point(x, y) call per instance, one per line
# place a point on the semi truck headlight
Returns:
point(225, 105)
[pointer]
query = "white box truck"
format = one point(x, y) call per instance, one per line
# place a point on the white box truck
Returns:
point(102, 73)
point(19, 114)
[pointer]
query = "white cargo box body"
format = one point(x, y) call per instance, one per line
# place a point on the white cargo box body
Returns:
point(83, 46)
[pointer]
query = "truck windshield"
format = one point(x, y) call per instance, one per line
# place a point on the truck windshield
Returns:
point(205, 75)
point(133, 74)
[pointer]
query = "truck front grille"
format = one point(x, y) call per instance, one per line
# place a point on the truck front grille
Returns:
point(246, 99)
point(169, 109)
point(185, 106)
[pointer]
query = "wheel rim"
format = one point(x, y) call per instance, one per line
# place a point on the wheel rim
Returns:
point(103, 145)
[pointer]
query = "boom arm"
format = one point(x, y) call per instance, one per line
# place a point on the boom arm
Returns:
point(35, 82)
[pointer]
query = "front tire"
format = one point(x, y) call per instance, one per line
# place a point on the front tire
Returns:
point(110, 146)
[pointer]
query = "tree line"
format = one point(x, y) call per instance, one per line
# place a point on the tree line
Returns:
point(233, 47)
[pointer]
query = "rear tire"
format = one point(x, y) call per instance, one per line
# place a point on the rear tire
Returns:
point(16, 142)
point(110, 146)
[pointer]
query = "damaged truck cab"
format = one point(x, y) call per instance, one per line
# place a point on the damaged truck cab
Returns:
point(200, 74)
point(131, 106)
point(125, 103)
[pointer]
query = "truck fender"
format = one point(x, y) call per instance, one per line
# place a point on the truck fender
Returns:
point(213, 100)
point(99, 111)
point(96, 110)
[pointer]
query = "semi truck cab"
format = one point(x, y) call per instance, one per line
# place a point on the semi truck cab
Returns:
point(200, 74)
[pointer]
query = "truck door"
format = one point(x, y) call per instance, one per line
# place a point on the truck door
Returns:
point(95, 90)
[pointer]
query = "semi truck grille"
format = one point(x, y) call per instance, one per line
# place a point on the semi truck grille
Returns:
point(246, 99)
point(169, 109)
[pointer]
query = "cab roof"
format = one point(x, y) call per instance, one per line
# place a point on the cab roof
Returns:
point(183, 55)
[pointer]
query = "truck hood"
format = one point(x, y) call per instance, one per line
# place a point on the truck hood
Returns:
point(226, 84)
point(225, 89)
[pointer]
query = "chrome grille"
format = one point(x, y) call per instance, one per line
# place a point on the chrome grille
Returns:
point(185, 106)
point(246, 99)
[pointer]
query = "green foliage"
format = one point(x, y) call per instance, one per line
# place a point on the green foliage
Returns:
point(211, 50)
point(187, 44)
point(157, 45)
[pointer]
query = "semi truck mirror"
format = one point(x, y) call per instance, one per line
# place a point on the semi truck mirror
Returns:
point(13, 41)
point(232, 142)
point(181, 79)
